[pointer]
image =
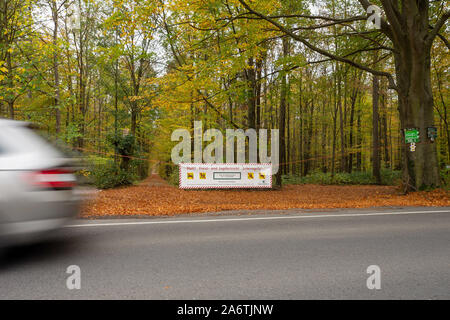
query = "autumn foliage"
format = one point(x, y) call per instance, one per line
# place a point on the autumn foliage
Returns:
point(154, 197)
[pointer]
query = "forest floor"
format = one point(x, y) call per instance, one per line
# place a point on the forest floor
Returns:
point(154, 197)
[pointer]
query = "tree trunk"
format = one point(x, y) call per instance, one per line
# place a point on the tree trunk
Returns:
point(10, 100)
point(259, 64)
point(282, 121)
point(54, 9)
point(11, 109)
point(341, 124)
point(288, 133)
point(376, 163)
point(384, 132)
point(324, 138)
point(116, 101)
point(133, 118)
point(333, 155)
point(353, 98)
point(309, 141)
point(415, 96)
point(251, 94)
point(301, 135)
point(415, 103)
point(359, 140)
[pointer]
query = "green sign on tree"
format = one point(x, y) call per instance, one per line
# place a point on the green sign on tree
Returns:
point(411, 135)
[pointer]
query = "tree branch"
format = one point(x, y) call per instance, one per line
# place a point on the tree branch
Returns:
point(435, 31)
point(296, 37)
point(385, 27)
point(444, 40)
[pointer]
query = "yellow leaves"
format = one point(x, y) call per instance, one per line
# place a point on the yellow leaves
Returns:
point(134, 98)
point(85, 173)
point(3, 69)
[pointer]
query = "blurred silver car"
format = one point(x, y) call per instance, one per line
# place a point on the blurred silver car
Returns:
point(36, 185)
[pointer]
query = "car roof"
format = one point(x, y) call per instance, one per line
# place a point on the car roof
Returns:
point(8, 122)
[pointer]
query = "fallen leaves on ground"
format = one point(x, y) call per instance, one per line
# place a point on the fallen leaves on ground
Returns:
point(155, 197)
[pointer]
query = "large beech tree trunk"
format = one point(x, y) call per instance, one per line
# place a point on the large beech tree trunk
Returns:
point(415, 103)
point(415, 98)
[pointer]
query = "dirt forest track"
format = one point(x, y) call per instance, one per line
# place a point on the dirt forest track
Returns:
point(154, 197)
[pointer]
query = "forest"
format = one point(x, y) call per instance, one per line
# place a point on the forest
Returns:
point(112, 79)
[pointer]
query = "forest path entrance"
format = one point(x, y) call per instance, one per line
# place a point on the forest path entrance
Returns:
point(154, 180)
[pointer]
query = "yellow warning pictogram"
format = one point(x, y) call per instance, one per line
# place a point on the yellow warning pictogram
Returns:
point(202, 175)
point(262, 176)
point(190, 176)
point(251, 175)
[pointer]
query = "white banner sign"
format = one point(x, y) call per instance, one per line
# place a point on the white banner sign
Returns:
point(225, 175)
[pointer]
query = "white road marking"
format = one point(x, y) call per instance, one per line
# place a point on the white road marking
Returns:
point(111, 224)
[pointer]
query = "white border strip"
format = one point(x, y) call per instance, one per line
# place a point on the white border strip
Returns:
point(111, 224)
point(198, 186)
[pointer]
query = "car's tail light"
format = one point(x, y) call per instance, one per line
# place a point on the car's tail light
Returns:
point(56, 179)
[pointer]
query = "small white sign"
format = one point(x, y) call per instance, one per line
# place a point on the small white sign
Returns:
point(225, 175)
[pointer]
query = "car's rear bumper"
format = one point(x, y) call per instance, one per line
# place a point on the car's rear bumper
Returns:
point(29, 231)
point(41, 220)
point(35, 226)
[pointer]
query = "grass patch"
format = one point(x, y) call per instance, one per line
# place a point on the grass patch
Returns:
point(388, 177)
point(103, 173)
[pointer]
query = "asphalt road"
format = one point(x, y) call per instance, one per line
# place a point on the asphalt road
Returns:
point(290, 255)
